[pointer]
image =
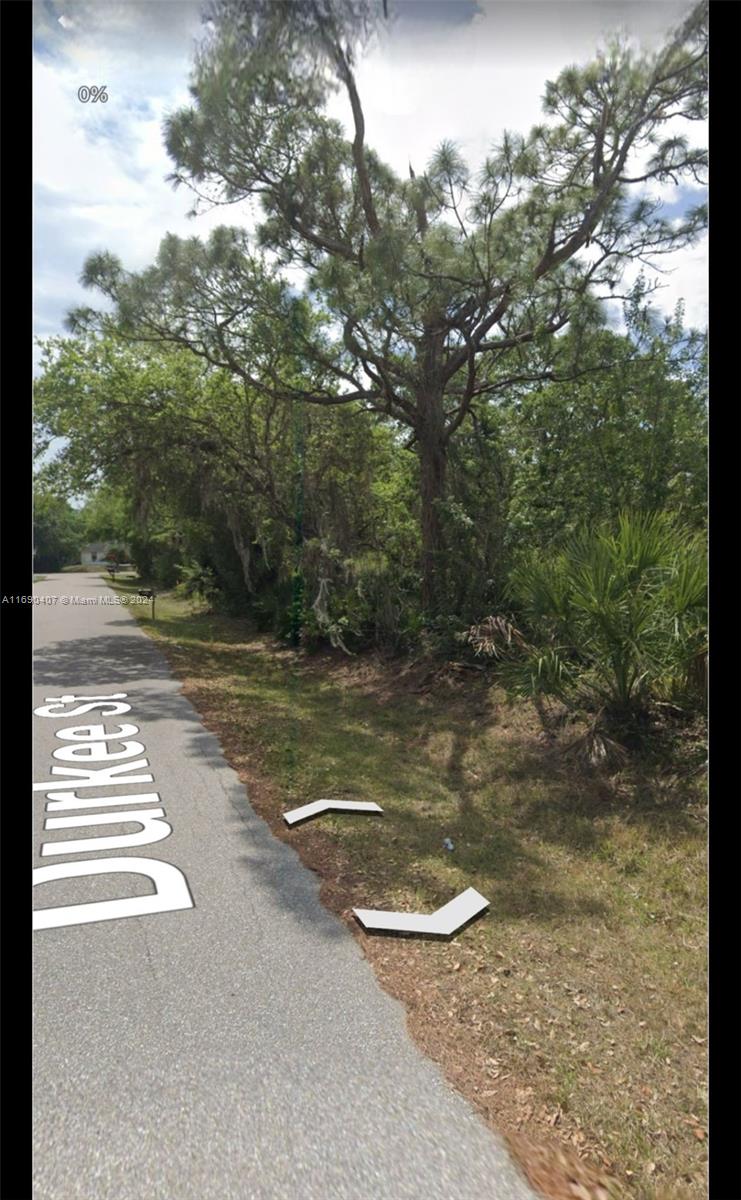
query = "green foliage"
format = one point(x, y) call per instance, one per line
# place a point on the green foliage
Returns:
point(105, 516)
point(207, 470)
point(615, 616)
point(362, 463)
point(426, 296)
point(57, 532)
point(199, 469)
point(630, 432)
point(197, 581)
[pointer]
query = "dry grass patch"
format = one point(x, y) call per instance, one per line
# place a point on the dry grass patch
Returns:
point(573, 1014)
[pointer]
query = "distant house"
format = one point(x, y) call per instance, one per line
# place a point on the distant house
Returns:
point(97, 552)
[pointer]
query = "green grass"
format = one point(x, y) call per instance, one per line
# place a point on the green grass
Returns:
point(586, 980)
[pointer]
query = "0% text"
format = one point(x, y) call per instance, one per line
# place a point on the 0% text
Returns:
point(93, 93)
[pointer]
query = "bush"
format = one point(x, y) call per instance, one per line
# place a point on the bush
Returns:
point(198, 582)
point(614, 618)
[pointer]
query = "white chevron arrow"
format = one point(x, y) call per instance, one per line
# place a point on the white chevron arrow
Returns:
point(321, 806)
point(443, 923)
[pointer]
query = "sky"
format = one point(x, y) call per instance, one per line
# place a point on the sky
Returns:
point(445, 69)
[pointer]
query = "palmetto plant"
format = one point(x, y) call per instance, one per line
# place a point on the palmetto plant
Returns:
point(197, 582)
point(494, 637)
point(614, 617)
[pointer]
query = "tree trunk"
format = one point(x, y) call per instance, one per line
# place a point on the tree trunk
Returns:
point(242, 547)
point(433, 461)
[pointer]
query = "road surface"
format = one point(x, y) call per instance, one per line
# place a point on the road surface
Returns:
point(237, 1047)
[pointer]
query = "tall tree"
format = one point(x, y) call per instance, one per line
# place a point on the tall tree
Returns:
point(57, 531)
point(427, 295)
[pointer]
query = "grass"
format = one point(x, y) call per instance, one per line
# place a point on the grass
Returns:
point(573, 1014)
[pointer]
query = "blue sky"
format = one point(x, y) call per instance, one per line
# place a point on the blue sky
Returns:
point(446, 69)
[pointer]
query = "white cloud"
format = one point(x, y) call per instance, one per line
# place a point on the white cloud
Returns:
point(100, 168)
point(472, 81)
point(684, 277)
point(99, 174)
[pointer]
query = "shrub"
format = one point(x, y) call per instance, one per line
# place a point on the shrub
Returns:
point(614, 618)
point(198, 582)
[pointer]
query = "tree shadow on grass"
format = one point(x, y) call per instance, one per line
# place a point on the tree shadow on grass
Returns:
point(561, 803)
point(309, 711)
point(456, 773)
point(517, 888)
point(375, 747)
point(577, 806)
point(489, 855)
point(357, 749)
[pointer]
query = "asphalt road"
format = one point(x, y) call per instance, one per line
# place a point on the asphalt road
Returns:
point(238, 1049)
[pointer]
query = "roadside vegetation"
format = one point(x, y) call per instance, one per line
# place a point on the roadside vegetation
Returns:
point(573, 1014)
point(426, 522)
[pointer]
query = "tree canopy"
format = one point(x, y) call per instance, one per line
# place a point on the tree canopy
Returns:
point(425, 297)
point(57, 531)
